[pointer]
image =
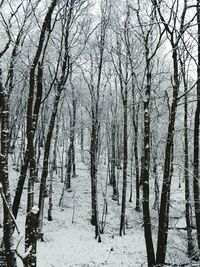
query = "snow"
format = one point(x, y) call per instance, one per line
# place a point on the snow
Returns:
point(73, 244)
point(34, 209)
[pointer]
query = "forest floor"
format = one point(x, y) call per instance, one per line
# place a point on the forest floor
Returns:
point(71, 244)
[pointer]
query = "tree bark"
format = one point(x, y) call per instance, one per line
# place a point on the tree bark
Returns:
point(4, 179)
point(113, 159)
point(196, 190)
point(125, 161)
point(31, 236)
point(32, 118)
point(146, 167)
point(166, 187)
point(60, 87)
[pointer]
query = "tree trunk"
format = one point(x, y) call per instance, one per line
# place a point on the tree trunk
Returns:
point(50, 194)
point(156, 185)
point(186, 168)
point(196, 139)
point(71, 168)
point(59, 89)
point(82, 138)
point(93, 173)
point(46, 161)
point(137, 207)
point(31, 236)
point(145, 172)
point(32, 117)
point(125, 161)
point(113, 159)
point(4, 180)
point(166, 187)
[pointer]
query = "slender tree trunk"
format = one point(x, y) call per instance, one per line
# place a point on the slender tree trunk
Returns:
point(196, 139)
point(69, 159)
point(71, 168)
point(31, 127)
point(82, 138)
point(50, 194)
point(145, 172)
point(32, 117)
point(125, 161)
point(113, 159)
point(187, 186)
point(93, 172)
point(137, 207)
point(95, 127)
point(166, 187)
point(156, 185)
point(60, 86)
point(54, 163)
point(186, 168)
point(20, 184)
point(74, 102)
point(131, 182)
point(46, 161)
point(135, 126)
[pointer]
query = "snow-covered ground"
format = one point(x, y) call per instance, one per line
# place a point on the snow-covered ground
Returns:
point(73, 244)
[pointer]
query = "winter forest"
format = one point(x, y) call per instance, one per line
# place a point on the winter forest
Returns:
point(99, 133)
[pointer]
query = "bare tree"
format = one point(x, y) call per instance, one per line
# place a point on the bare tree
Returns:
point(172, 29)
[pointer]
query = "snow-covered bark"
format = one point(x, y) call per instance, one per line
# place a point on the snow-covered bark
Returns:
point(4, 179)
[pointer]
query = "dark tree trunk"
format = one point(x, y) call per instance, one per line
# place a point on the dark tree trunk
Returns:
point(113, 159)
point(145, 171)
point(93, 174)
point(60, 86)
point(187, 187)
point(74, 103)
point(20, 184)
point(135, 122)
point(50, 194)
point(82, 137)
point(196, 139)
point(186, 167)
point(31, 236)
point(32, 127)
point(125, 161)
point(166, 187)
point(135, 109)
point(156, 184)
point(131, 174)
point(46, 160)
point(4, 180)
point(71, 167)
point(32, 118)
point(119, 148)
point(54, 162)
point(95, 127)
point(174, 40)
